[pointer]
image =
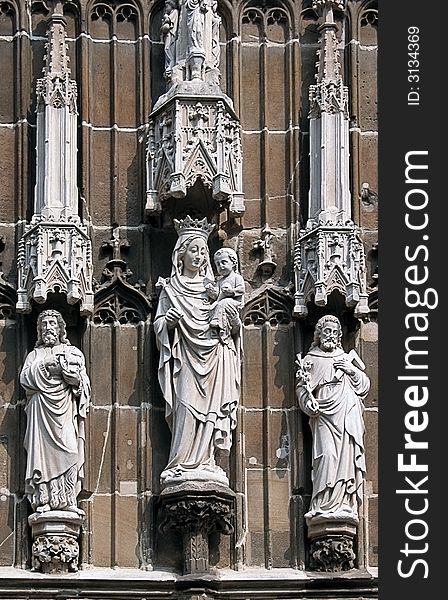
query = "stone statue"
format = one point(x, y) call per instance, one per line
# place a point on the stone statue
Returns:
point(227, 290)
point(169, 28)
point(199, 374)
point(58, 394)
point(196, 10)
point(330, 389)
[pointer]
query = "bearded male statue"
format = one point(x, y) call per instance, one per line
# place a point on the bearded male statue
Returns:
point(58, 395)
point(330, 390)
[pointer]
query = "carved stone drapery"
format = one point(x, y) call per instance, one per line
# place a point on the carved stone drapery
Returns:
point(55, 251)
point(190, 33)
point(196, 513)
point(199, 361)
point(329, 253)
point(194, 135)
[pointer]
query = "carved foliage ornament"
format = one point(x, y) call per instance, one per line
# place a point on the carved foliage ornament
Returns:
point(55, 553)
point(194, 514)
point(332, 554)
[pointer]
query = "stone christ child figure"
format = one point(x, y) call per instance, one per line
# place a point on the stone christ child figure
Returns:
point(58, 395)
point(227, 291)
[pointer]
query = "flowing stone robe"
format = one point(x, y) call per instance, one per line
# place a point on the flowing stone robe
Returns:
point(55, 432)
point(200, 379)
point(338, 449)
point(169, 32)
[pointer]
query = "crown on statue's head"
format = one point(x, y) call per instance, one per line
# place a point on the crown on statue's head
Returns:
point(188, 226)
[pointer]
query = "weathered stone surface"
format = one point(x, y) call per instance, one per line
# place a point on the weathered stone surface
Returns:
point(100, 446)
point(279, 443)
point(129, 188)
point(369, 174)
point(276, 90)
point(6, 75)
point(280, 375)
point(279, 495)
point(252, 368)
point(127, 450)
point(255, 500)
point(250, 108)
point(6, 522)
point(102, 520)
point(253, 437)
point(371, 444)
point(8, 366)
point(127, 530)
point(127, 101)
point(369, 348)
point(368, 119)
point(372, 515)
point(8, 162)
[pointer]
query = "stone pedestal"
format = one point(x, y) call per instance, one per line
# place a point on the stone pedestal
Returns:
point(55, 540)
point(196, 510)
point(331, 548)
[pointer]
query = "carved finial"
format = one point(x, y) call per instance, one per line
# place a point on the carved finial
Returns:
point(268, 265)
point(116, 267)
point(56, 88)
point(56, 58)
point(116, 243)
point(188, 226)
point(326, 8)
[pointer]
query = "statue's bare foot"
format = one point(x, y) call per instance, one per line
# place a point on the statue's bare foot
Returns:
point(43, 508)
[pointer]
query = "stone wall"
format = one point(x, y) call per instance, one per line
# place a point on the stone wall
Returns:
point(269, 55)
